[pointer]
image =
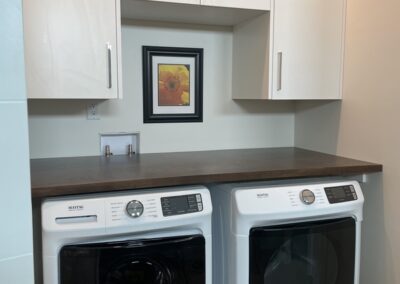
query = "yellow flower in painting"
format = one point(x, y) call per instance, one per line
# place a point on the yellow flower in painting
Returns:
point(185, 98)
point(173, 85)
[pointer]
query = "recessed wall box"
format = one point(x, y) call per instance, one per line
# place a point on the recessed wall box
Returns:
point(119, 143)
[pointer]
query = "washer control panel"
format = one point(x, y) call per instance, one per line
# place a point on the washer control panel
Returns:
point(182, 204)
point(338, 194)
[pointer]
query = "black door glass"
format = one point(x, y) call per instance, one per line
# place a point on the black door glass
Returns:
point(177, 260)
point(320, 252)
point(139, 270)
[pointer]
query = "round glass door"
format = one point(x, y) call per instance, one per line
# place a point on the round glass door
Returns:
point(303, 259)
point(138, 271)
point(320, 252)
point(169, 260)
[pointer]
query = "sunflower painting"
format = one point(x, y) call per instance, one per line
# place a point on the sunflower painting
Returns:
point(173, 85)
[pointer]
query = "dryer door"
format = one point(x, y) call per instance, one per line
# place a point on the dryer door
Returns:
point(178, 260)
point(307, 253)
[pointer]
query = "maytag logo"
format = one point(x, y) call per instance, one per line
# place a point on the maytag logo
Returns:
point(262, 195)
point(75, 207)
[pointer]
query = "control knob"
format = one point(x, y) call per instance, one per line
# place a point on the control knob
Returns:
point(307, 196)
point(134, 209)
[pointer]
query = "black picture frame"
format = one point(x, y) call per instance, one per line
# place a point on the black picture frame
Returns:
point(149, 53)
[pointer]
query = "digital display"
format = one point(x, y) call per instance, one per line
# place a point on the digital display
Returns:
point(340, 194)
point(178, 203)
point(184, 204)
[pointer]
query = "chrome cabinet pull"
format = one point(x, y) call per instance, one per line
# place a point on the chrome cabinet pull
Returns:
point(279, 83)
point(109, 65)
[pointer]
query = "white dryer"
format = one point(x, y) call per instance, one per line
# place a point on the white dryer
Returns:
point(287, 234)
point(157, 236)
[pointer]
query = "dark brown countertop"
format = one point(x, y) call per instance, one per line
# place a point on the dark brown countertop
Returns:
point(66, 176)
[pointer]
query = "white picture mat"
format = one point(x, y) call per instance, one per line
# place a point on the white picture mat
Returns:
point(190, 109)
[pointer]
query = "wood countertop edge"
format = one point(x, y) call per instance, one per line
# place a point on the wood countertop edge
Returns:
point(120, 185)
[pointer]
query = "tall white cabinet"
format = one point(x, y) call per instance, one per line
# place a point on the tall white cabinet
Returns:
point(16, 252)
point(72, 49)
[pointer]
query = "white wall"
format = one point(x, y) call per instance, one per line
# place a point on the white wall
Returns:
point(366, 126)
point(60, 128)
point(16, 256)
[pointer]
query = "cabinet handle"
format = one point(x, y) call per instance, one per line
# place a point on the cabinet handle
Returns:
point(279, 83)
point(109, 65)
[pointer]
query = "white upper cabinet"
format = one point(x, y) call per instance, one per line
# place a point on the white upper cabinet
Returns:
point(72, 49)
point(244, 4)
point(308, 48)
point(294, 52)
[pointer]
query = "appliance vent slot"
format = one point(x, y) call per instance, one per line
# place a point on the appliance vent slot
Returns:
point(76, 219)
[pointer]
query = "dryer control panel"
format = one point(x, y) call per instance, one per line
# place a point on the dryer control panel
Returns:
point(283, 199)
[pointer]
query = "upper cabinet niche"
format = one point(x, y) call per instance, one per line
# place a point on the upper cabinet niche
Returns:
point(295, 52)
point(72, 49)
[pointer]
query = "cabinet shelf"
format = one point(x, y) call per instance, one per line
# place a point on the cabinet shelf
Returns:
point(186, 13)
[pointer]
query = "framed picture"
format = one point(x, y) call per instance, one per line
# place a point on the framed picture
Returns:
point(172, 84)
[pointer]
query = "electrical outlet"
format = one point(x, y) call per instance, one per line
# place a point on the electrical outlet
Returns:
point(92, 113)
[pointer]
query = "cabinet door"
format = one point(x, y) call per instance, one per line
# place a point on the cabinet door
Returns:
point(244, 4)
point(308, 37)
point(71, 48)
point(196, 2)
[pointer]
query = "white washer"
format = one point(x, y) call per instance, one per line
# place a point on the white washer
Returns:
point(152, 236)
point(283, 234)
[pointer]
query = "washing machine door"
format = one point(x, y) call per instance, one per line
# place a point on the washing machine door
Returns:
point(306, 253)
point(178, 260)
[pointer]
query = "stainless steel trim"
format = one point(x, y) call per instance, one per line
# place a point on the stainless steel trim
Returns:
point(279, 80)
point(109, 65)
